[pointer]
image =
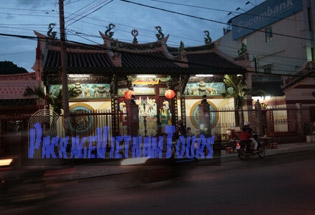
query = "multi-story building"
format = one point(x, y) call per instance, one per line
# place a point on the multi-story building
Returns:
point(276, 37)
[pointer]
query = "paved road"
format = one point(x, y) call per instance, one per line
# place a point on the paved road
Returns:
point(109, 168)
point(279, 184)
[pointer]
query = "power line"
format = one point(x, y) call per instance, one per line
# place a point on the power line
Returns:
point(202, 18)
point(35, 38)
point(178, 13)
point(75, 14)
point(194, 6)
point(210, 20)
point(215, 9)
point(106, 2)
point(150, 36)
point(102, 47)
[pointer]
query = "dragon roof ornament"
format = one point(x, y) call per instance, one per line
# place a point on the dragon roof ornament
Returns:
point(50, 32)
point(160, 35)
point(207, 38)
point(108, 32)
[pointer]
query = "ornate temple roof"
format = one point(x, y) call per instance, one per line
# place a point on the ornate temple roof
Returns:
point(115, 56)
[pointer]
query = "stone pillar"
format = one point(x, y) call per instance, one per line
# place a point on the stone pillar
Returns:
point(132, 119)
point(204, 119)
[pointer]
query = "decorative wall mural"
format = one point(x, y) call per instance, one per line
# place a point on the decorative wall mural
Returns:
point(122, 118)
point(145, 80)
point(90, 91)
point(147, 116)
point(202, 88)
point(82, 122)
point(162, 91)
point(194, 115)
point(137, 91)
point(165, 115)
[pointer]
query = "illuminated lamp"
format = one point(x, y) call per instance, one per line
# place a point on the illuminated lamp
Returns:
point(128, 94)
point(169, 94)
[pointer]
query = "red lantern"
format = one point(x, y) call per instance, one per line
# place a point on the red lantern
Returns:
point(169, 94)
point(128, 94)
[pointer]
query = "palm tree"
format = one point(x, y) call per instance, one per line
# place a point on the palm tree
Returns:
point(235, 87)
point(54, 101)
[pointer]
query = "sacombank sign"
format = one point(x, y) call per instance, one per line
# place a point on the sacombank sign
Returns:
point(264, 14)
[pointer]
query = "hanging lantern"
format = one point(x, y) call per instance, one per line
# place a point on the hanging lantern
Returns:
point(128, 94)
point(169, 94)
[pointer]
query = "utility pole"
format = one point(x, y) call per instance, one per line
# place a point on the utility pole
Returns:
point(63, 70)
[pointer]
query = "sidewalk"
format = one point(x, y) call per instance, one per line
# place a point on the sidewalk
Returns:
point(91, 171)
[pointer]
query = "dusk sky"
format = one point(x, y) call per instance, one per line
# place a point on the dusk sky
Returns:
point(183, 20)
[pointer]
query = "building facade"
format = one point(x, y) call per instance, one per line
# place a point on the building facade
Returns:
point(277, 39)
point(15, 109)
point(103, 75)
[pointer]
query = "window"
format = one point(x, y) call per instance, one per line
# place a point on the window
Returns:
point(267, 70)
point(268, 34)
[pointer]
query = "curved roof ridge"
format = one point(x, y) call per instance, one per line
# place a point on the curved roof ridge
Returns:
point(108, 41)
point(39, 34)
point(150, 47)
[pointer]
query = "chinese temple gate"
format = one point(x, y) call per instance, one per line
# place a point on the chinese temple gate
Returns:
point(104, 76)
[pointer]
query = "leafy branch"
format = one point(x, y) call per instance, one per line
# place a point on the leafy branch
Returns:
point(54, 101)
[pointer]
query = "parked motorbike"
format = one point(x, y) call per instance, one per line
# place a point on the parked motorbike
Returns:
point(244, 148)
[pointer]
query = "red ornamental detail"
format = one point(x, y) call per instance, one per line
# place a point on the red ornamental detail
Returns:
point(128, 94)
point(169, 94)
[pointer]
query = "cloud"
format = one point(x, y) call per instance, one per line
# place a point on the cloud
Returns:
point(33, 3)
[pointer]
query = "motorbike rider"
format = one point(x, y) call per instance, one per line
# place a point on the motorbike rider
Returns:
point(246, 135)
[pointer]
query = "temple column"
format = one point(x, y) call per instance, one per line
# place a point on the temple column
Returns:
point(132, 119)
point(204, 118)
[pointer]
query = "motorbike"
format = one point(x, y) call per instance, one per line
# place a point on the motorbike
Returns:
point(19, 184)
point(245, 151)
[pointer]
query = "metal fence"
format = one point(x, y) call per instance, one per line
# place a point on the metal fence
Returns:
point(277, 121)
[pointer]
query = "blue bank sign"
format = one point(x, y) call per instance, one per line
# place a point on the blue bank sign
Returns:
point(264, 14)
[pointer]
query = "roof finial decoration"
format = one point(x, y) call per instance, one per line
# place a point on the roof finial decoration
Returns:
point(108, 31)
point(160, 35)
point(134, 33)
point(208, 39)
point(50, 33)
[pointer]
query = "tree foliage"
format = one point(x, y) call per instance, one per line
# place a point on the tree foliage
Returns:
point(236, 88)
point(54, 101)
point(8, 67)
